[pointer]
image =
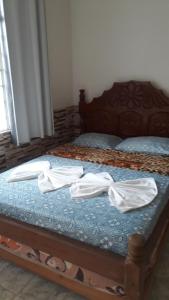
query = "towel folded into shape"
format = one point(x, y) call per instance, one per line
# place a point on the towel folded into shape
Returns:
point(48, 179)
point(56, 178)
point(29, 171)
point(124, 195)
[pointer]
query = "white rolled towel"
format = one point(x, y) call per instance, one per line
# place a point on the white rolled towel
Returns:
point(124, 195)
point(56, 178)
point(48, 179)
point(29, 171)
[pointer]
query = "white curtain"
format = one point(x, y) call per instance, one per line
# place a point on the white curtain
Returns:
point(27, 43)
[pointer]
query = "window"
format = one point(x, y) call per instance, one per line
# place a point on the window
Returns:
point(4, 109)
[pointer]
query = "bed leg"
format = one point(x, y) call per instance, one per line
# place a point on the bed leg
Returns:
point(134, 268)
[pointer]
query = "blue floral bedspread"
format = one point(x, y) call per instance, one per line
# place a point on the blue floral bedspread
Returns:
point(92, 221)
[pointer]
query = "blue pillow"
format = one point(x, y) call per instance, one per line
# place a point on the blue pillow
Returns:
point(97, 140)
point(145, 144)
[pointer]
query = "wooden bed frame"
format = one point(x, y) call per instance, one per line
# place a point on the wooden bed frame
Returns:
point(127, 109)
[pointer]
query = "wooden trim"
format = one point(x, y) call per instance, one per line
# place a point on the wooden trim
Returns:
point(153, 245)
point(155, 255)
point(94, 259)
point(134, 268)
point(131, 271)
point(127, 109)
point(47, 273)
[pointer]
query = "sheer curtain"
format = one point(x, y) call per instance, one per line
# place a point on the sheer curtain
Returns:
point(27, 43)
point(5, 95)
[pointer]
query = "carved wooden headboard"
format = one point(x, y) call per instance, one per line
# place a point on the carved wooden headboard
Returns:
point(133, 108)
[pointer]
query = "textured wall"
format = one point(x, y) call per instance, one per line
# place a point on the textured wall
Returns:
point(66, 122)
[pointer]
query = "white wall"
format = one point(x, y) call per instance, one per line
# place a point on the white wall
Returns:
point(119, 40)
point(60, 51)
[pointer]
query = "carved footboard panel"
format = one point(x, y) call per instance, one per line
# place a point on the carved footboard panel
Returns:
point(67, 269)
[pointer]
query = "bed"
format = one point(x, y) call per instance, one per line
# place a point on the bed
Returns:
point(77, 234)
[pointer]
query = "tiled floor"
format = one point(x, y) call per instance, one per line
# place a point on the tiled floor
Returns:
point(17, 284)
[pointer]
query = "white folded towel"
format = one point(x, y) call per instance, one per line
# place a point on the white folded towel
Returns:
point(48, 179)
point(56, 178)
point(28, 171)
point(124, 195)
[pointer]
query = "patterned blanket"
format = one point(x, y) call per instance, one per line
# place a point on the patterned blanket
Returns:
point(135, 161)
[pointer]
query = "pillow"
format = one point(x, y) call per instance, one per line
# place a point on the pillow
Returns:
point(97, 140)
point(145, 144)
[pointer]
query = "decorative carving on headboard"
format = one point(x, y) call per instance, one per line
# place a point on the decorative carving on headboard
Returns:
point(132, 108)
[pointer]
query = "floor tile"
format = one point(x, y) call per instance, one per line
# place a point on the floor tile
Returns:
point(14, 279)
point(5, 294)
point(23, 297)
point(160, 289)
point(69, 296)
point(38, 289)
point(3, 264)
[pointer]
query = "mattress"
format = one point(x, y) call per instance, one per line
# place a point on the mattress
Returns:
point(92, 221)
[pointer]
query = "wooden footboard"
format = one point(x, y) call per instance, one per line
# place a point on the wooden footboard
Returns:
point(142, 257)
point(46, 273)
point(134, 271)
